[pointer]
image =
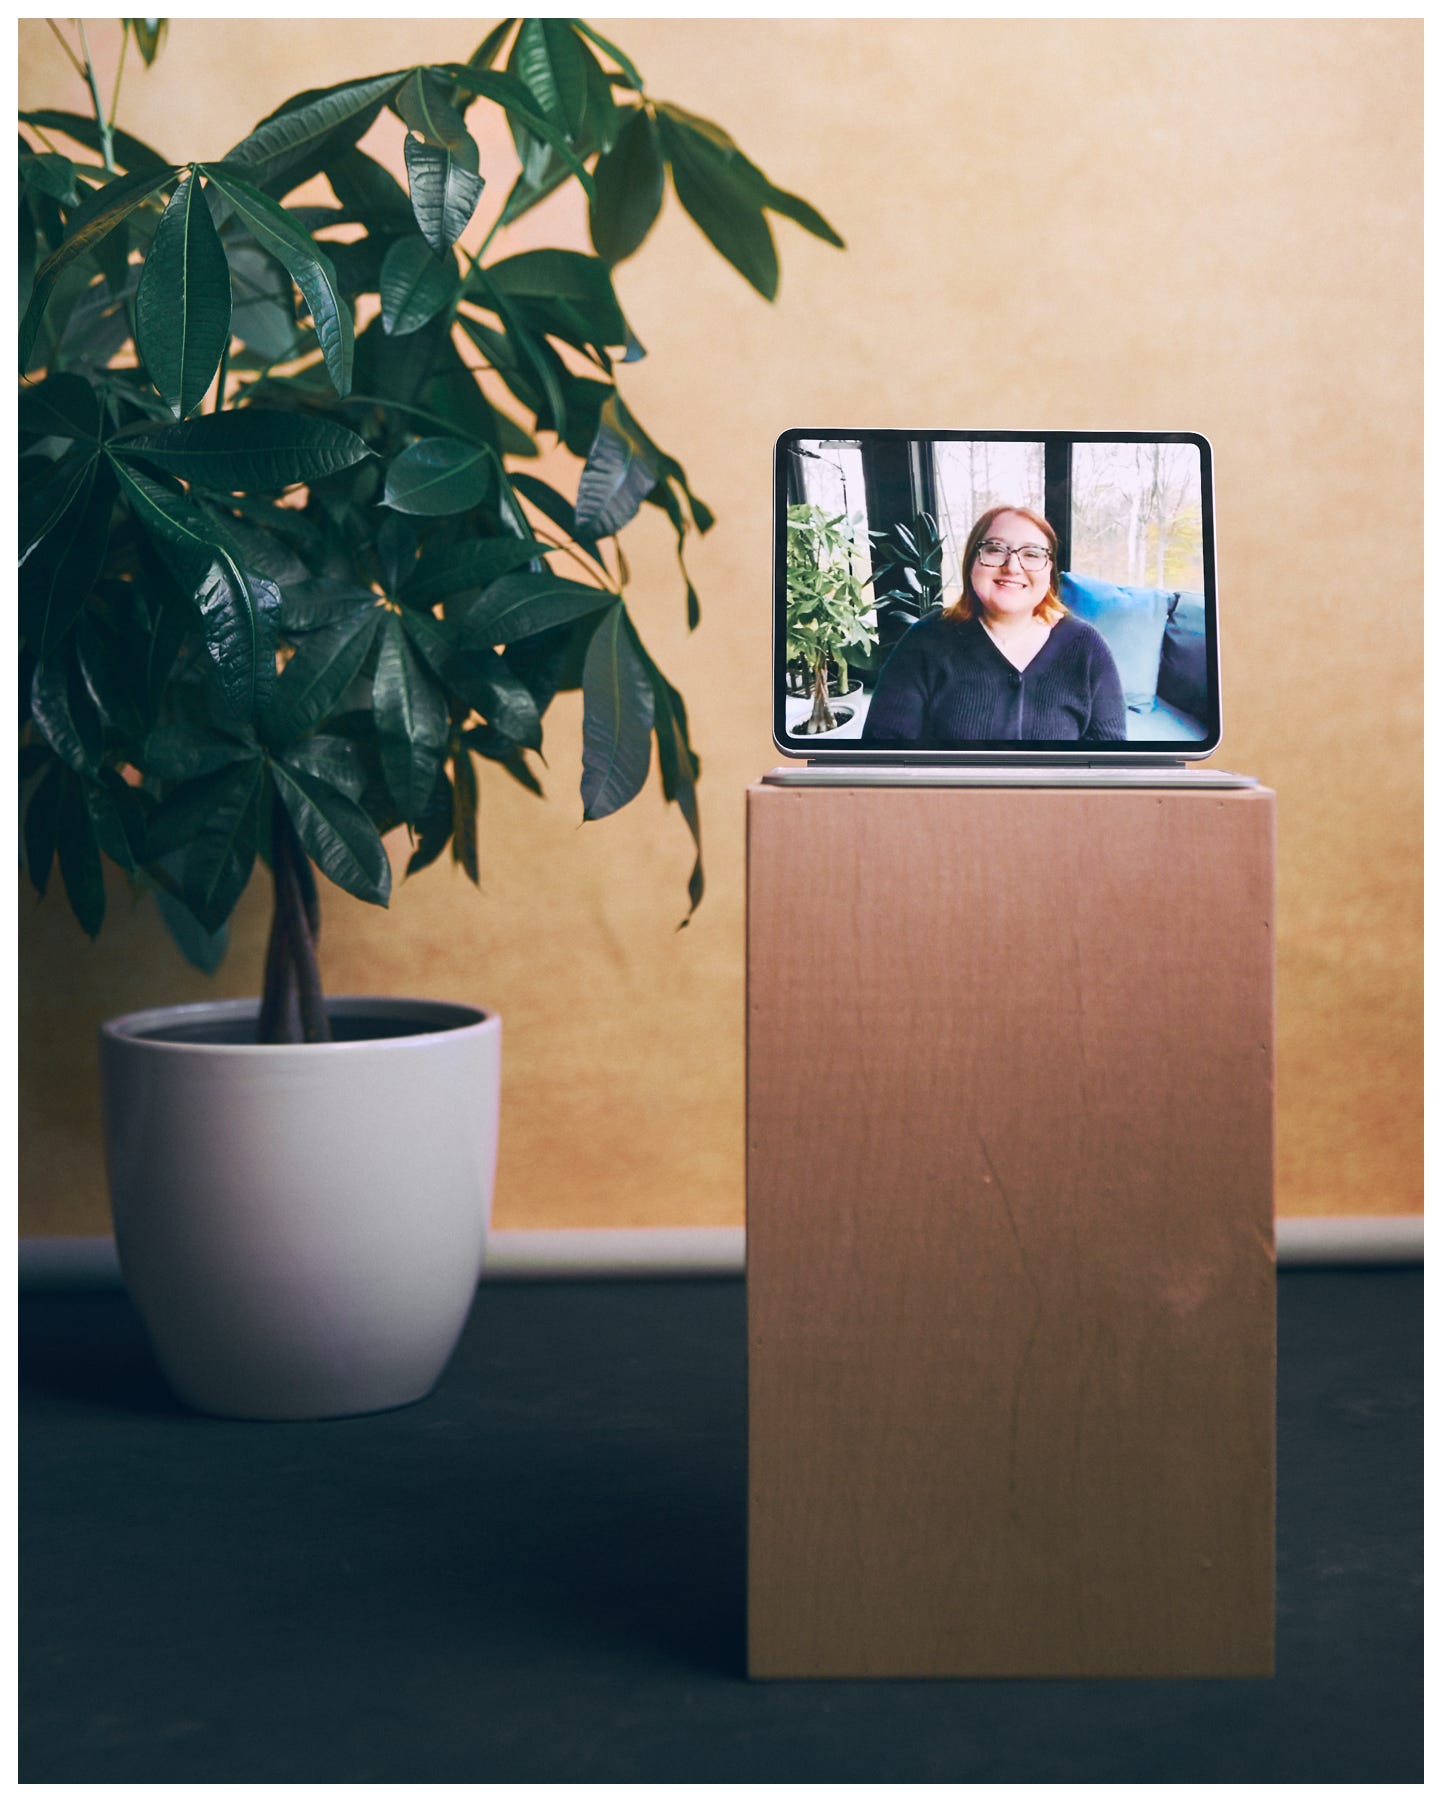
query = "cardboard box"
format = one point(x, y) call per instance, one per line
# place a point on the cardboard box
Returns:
point(1010, 1232)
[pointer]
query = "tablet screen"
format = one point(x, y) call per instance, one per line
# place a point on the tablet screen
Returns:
point(950, 593)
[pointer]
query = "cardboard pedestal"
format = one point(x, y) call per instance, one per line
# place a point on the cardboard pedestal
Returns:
point(1010, 1232)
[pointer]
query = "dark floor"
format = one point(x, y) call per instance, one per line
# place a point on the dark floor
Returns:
point(538, 1574)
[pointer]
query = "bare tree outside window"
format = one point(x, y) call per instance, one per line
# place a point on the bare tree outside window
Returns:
point(974, 475)
point(1135, 514)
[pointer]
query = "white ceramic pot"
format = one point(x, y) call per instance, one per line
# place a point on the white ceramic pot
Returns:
point(301, 1226)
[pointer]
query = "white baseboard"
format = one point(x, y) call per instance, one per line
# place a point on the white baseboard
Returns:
point(1377, 1238)
point(73, 1265)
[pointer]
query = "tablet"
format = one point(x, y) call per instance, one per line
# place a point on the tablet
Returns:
point(985, 596)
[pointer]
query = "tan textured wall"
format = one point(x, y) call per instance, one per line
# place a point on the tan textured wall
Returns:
point(1212, 226)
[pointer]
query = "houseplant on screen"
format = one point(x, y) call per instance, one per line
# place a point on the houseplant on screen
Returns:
point(284, 580)
point(827, 613)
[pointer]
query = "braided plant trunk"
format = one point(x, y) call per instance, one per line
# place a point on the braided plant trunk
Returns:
point(821, 717)
point(293, 1008)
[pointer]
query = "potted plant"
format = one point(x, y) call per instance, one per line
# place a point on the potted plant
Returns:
point(284, 582)
point(907, 574)
point(826, 612)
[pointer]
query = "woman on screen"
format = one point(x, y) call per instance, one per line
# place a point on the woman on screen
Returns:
point(1006, 662)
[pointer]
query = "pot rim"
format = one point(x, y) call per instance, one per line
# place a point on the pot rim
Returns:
point(442, 1021)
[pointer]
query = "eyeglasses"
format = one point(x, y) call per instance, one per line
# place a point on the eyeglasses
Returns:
point(992, 554)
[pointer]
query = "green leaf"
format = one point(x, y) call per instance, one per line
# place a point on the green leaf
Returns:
point(63, 711)
point(619, 714)
point(396, 546)
point(412, 720)
point(337, 836)
point(306, 123)
point(443, 192)
point(559, 510)
point(434, 826)
point(118, 813)
point(550, 276)
point(721, 204)
point(319, 673)
point(454, 398)
point(441, 160)
point(471, 565)
point(239, 611)
point(47, 495)
point(84, 231)
point(202, 949)
point(517, 606)
point(602, 115)
point(790, 206)
point(414, 286)
point(172, 623)
point(34, 206)
point(629, 188)
point(251, 448)
point(477, 677)
point(32, 759)
point(130, 153)
point(551, 662)
point(692, 599)
point(180, 753)
point(185, 536)
point(240, 614)
point(542, 169)
point(334, 760)
point(85, 324)
point(368, 191)
point(357, 264)
point(710, 138)
point(616, 55)
point(679, 768)
point(182, 307)
point(63, 406)
point(111, 660)
point(149, 35)
point(464, 821)
point(112, 254)
point(617, 476)
point(673, 474)
point(482, 680)
point(439, 475)
point(262, 311)
point(550, 60)
point(484, 54)
point(395, 370)
point(422, 104)
point(309, 605)
point(51, 173)
point(519, 105)
point(221, 854)
point(80, 855)
point(517, 356)
point(499, 749)
point(42, 826)
point(275, 231)
point(188, 806)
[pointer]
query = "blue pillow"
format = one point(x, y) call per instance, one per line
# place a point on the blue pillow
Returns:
point(1184, 679)
point(1132, 622)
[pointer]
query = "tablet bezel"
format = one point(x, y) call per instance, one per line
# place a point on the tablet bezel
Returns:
point(992, 751)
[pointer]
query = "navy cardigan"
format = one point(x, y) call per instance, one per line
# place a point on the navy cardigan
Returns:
point(946, 684)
